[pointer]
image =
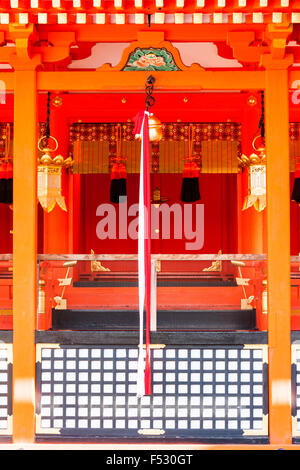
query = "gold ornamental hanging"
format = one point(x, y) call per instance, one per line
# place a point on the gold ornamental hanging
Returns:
point(49, 177)
point(256, 164)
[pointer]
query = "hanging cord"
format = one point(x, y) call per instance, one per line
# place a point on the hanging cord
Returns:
point(150, 100)
point(261, 125)
point(7, 142)
point(118, 142)
point(48, 120)
point(191, 140)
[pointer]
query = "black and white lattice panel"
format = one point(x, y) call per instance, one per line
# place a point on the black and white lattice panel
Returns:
point(296, 390)
point(5, 389)
point(196, 391)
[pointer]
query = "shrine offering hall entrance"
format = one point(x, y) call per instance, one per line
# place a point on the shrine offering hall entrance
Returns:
point(215, 275)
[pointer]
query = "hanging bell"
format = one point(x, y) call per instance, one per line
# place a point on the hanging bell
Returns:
point(155, 129)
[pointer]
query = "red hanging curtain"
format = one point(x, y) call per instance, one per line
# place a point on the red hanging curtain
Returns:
point(190, 183)
point(118, 189)
point(6, 172)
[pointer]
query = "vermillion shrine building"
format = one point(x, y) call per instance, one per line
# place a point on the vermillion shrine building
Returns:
point(150, 224)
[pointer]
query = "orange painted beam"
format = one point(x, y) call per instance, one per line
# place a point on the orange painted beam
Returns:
point(177, 81)
point(278, 262)
point(135, 81)
point(24, 256)
point(130, 81)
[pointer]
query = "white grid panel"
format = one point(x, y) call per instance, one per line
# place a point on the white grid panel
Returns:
point(296, 390)
point(195, 391)
point(5, 389)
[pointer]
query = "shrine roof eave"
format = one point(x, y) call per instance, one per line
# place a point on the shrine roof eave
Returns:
point(145, 12)
point(91, 7)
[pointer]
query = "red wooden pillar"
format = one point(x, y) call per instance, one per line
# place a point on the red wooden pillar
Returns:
point(278, 238)
point(24, 255)
point(56, 223)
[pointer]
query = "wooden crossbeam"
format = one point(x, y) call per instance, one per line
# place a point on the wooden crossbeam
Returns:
point(103, 81)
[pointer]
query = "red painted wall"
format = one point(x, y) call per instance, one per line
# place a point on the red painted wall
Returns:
point(218, 196)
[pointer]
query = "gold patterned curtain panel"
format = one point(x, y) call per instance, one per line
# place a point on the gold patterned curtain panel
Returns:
point(7, 133)
point(217, 145)
point(93, 146)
